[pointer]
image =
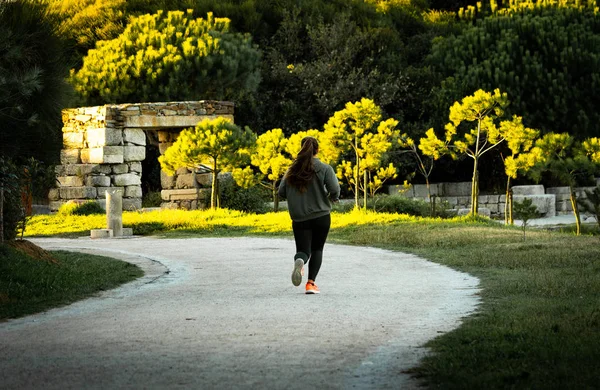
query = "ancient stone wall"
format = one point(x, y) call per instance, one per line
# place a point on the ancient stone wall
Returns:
point(550, 201)
point(103, 147)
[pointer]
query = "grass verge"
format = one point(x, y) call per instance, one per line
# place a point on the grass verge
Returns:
point(539, 322)
point(29, 285)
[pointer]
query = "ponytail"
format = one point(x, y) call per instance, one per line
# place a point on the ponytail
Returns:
point(302, 170)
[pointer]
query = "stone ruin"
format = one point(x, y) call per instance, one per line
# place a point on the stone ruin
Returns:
point(104, 146)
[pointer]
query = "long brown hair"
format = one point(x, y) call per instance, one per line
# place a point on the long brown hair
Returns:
point(302, 170)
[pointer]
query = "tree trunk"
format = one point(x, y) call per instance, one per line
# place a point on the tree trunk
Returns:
point(213, 187)
point(365, 189)
point(275, 197)
point(475, 190)
point(356, 181)
point(511, 219)
point(575, 210)
point(1, 214)
point(431, 200)
point(507, 205)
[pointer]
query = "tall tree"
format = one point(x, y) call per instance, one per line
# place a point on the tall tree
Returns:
point(360, 130)
point(482, 111)
point(33, 68)
point(569, 161)
point(544, 54)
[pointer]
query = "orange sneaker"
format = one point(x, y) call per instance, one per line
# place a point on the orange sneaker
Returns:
point(298, 272)
point(311, 288)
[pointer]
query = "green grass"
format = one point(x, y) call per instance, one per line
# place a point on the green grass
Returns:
point(29, 286)
point(538, 325)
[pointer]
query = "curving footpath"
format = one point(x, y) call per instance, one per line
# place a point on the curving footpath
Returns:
point(221, 313)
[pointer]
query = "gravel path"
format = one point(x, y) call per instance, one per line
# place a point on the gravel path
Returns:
point(221, 313)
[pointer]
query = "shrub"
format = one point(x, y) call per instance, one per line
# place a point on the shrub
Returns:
point(151, 199)
point(87, 208)
point(234, 197)
point(400, 205)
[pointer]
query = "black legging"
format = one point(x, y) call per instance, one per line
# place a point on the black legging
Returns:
point(310, 238)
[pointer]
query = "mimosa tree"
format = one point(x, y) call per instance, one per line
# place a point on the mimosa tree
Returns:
point(520, 140)
point(216, 143)
point(475, 117)
point(359, 129)
point(568, 161)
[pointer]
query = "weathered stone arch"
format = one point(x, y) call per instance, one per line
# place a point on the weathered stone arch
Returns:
point(103, 148)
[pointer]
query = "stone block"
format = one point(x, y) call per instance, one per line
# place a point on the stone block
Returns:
point(185, 181)
point(168, 206)
point(420, 191)
point(53, 194)
point(166, 181)
point(483, 199)
point(134, 136)
point(182, 171)
point(70, 156)
point(545, 203)
point(103, 155)
point(83, 118)
point(558, 190)
point(502, 199)
point(205, 180)
point(78, 192)
point(72, 140)
point(135, 166)
point(104, 137)
point(164, 136)
point(580, 192)
point(452, 200)
point(70, 181)
point(55, 205)
point(563, 197)
point(132, 204)
point(536, 189)
point(185, 194)
point(127, 179)
point(457, 189)
point(119, 169)
point(127, 232)
point(464, 200)
point(134, 153)
point(564, 206)
point(101, 233)
point(97, 181)
point(163, 146)
point(494, 208)
point(102, 191)
point(170, 121)
point(133, 192)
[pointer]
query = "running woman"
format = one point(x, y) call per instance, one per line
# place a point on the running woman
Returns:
point(308, 186)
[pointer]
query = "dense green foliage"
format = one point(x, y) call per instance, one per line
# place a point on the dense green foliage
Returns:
point(86, 208)
point(11, 209)
point(166, 57)
point(545, 57)
point(33, 68)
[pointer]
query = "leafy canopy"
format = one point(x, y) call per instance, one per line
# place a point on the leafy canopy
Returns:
point(172, 56)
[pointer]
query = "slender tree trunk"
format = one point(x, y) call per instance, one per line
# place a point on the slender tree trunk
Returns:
point(365, 189)
point(511, 219)
point(213, 188)
point(275, 197)
point(356, 175)
point(475, 189)
point(431, 200)
point(1, 214)
point(507, 205)
point(575, 210)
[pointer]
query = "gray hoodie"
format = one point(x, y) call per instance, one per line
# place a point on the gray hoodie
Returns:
point(313, 203)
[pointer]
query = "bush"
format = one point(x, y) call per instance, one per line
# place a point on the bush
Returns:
point(234, 197)
point(87, 208)
point(400, 205)
point(152, 199)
